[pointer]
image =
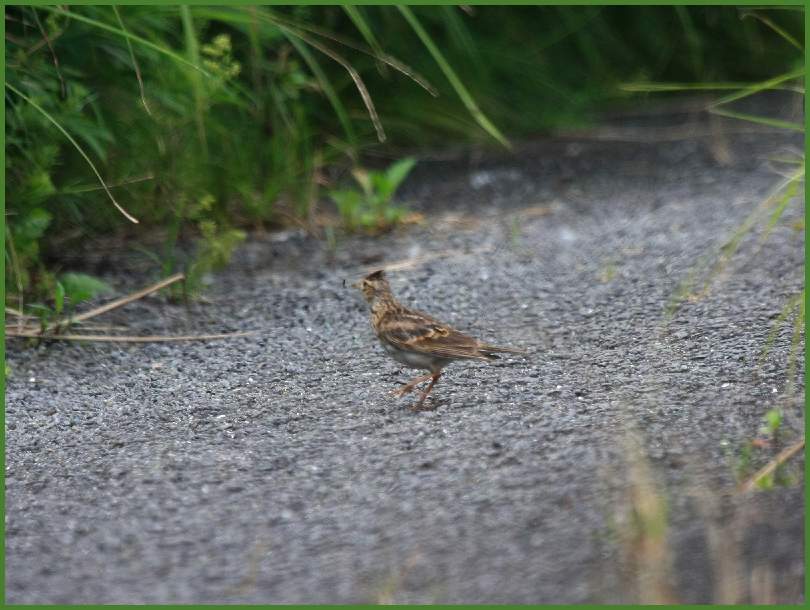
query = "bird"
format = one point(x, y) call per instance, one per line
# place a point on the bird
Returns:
point(417, 340)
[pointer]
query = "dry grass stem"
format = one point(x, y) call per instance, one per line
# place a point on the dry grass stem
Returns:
point(415, 261)
point(33, 332)
point(117, 303)
point(134, 338)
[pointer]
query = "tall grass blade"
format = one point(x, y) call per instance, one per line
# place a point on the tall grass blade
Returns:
point(326, 85)
point(193, 52)
point(459, 33)
point(792, 304)
point(454, 80)
point(776, 28)
point(760, 120)
point(790, 192)
point(380, 56)
point(665, 87)
point(134, 61)
point(13, 259)
point(765, 85)
point(795, 343)
point(355, 76)
point(356, 17)
point(47, 39)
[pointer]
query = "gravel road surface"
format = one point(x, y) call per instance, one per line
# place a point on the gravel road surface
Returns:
point(278, 468)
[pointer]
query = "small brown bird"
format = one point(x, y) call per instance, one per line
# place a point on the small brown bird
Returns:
point(417, 340)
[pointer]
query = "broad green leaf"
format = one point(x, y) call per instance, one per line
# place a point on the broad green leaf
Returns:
point(397, 172)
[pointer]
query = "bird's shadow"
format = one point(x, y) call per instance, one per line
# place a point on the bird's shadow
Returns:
point(430, 404)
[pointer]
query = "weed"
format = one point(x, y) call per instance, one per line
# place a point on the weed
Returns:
point(772, 423)
point(213, 252)
point(371, 207)
point(749, 469)
point(608, 272)
point(68, 291)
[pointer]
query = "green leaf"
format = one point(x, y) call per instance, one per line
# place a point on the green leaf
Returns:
point(381, 189)
point(81, 287)
point(396, 174)
point(346, 198)
point(59, 297)
point(348, 203)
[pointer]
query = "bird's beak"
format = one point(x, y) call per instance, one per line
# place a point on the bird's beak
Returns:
point(352, 285)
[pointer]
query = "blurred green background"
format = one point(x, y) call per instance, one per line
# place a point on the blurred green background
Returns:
point(205, 122)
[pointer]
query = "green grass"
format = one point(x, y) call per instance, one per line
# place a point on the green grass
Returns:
point(770, 212)
point(146, 112)
point(760, 222)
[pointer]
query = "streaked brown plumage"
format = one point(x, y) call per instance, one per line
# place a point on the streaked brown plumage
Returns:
point(417, 340)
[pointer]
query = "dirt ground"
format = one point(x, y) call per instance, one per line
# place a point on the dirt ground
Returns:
point(277, 468)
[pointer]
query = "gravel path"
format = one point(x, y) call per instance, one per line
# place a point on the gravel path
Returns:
point(277, 468)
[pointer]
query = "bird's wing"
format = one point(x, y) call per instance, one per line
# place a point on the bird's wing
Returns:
point(418, 332)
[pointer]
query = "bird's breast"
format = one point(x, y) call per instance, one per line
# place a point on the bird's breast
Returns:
point(412, 359)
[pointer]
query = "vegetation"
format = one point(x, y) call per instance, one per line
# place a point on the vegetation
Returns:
point(372, 207)
point(762, 220)
point(200, 122)
point(758, 468)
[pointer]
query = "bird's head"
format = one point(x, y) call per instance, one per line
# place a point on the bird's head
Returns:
point(374, 285)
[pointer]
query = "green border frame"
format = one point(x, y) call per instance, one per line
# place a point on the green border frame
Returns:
point(3, 329)
point(384, 2)
point(806, 359)
point(430, 3)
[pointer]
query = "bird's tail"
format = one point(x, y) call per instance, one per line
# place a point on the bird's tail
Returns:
point(491, 350)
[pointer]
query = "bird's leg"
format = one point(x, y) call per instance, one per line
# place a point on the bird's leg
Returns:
point(408, 387)
point(433, 379)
